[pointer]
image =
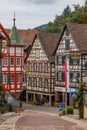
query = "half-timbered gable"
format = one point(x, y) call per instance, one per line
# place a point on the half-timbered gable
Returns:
point(71, 46)
point(40, 67)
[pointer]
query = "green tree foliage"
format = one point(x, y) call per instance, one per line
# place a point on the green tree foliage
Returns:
point(78, 15)
point(82, 18)
point(80, 100)
point(66, 11)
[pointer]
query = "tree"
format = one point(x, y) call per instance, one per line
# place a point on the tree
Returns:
point(82, 18)
point(76, 7)
point(66, 11)
point(80, 100)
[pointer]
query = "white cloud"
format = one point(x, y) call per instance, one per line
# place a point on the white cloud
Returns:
point(32, 13)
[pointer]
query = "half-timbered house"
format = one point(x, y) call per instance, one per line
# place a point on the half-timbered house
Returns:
point(40, 67)
point(72, 45)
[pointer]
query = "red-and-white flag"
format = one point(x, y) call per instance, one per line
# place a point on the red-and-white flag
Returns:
point(66, 73)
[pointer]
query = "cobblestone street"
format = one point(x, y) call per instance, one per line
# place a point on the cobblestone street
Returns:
point(41, 118)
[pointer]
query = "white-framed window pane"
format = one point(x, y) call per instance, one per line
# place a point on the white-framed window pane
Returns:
point(18, 61)
point(30, 81)
point(35, 82)
point(11, 50)
point(6, 61)
point(18, 50)
point(37, 54)
point(46, 67)
point(11, 61)
point(18, 78)
point(4, 78)
point(46, 82)
point(12, 78)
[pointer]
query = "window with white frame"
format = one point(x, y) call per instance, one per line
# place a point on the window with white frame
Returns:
point(4, 78)
point(6, 61)
point(46, 82)
point(12, 78)
point(41, 67)
point(37, 54)
point(18, 61)
point(30, 81)
point(46, 67)
point(18, 78)
point(40, 82)
point(59, 75)
point(35, 82)
point(12, 61)
point(18, 50)
point(11, 50)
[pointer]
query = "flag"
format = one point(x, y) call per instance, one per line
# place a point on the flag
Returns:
point(66, 72)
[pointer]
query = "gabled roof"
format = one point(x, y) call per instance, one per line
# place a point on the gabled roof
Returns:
point(49, 42)
point(79, 34)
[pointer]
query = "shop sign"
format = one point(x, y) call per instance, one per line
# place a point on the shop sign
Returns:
point(75, 55)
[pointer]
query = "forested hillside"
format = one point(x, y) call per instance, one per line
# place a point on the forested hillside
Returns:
point(79, 15)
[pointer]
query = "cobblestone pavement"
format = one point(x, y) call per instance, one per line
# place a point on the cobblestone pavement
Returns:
point(31, 120)
point(8, 120)
point(41, 118)
point(40, 121)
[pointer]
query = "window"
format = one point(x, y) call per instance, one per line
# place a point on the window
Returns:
point(46, 67)
point(46, 82)
point(41, 67)
point(67, 44)
point(60, 76)
point(18, 50)
point(63, 58)
point(18, 61)
point(11, 61)
point(30, 81)
point(60, 60)
point(11, 50)
point(56, 76)
point(4, 78)
point(18, 78)
point(12, 78)
point(37, 54)
point(6, 61)
point(34, 67)
point(35, 82)
point(40, 82)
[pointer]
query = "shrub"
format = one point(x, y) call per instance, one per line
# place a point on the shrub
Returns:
point(9, 107)
point(68, 109)
point(56, 104)
point(34, 102)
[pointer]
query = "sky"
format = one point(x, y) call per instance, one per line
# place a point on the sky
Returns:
point(32, 13)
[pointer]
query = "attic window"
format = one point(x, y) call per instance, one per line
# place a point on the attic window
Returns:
point(67, 44)
point(37, 54)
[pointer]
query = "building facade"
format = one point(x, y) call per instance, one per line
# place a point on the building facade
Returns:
point(40, 68)
point(72, 46)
